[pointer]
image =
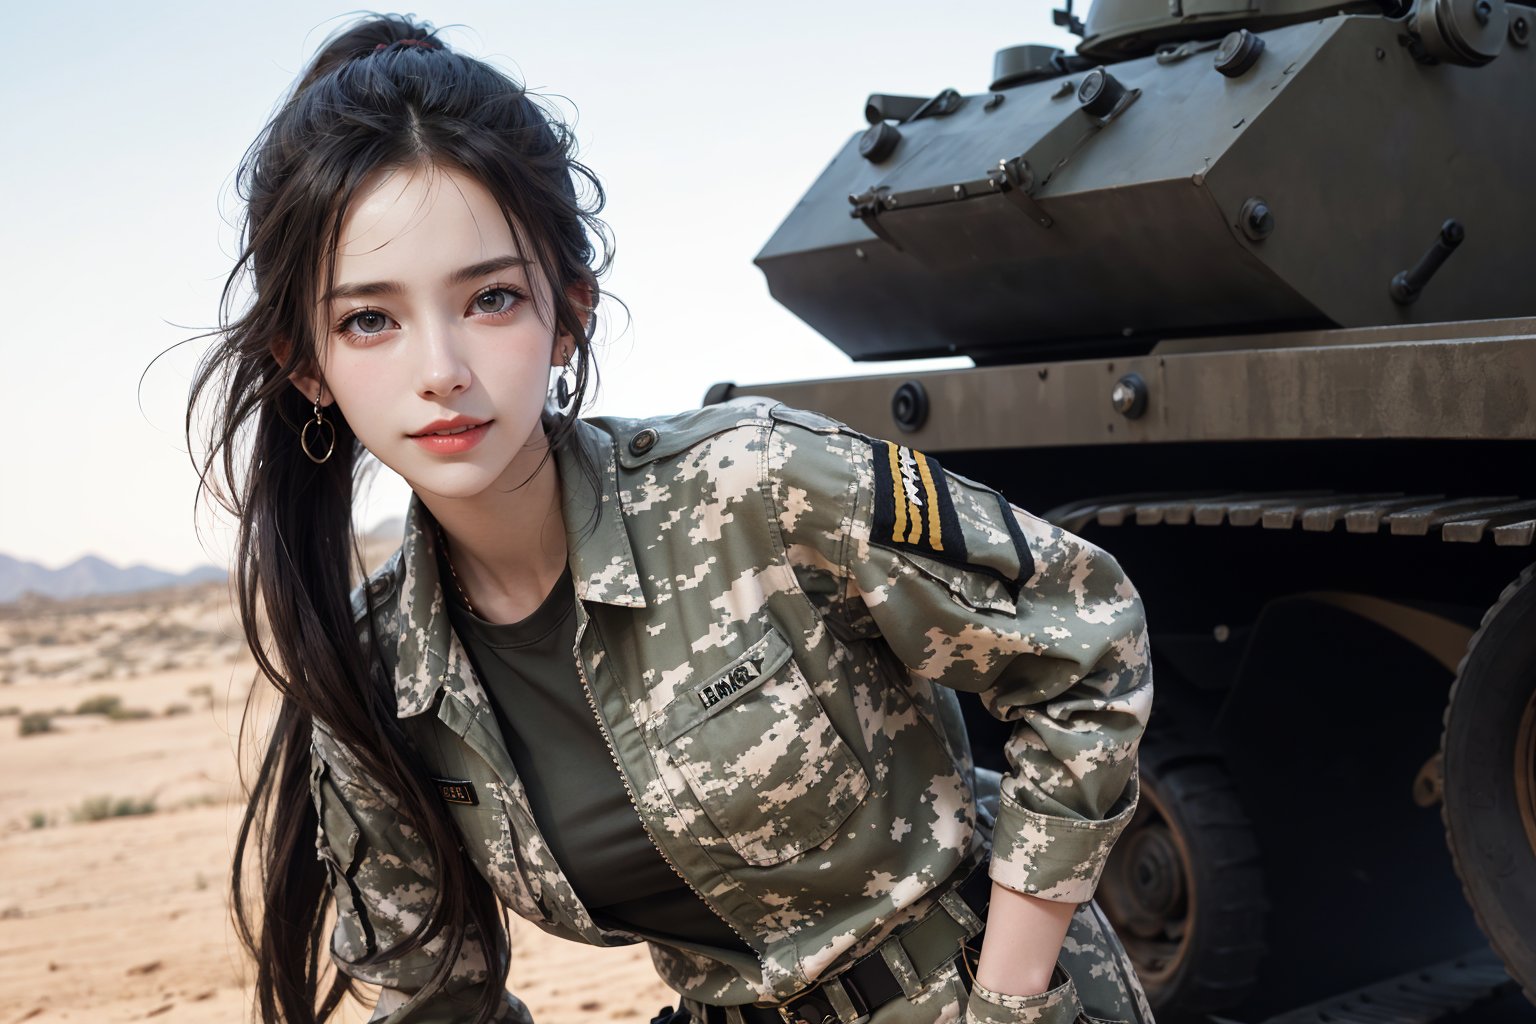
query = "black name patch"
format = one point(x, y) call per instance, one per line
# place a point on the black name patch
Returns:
point(457, 791)
point(721, 687)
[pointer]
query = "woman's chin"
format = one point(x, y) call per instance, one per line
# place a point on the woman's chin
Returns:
point(451, 486)
point(469, 480)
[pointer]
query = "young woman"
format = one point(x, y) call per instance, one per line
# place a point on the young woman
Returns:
point(688, 680)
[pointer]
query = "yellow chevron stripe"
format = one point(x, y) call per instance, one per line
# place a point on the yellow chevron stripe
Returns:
point(935, 527)
point(898, 493)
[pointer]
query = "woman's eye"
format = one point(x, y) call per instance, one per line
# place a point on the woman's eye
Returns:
point(495, 300)
point(367, 321)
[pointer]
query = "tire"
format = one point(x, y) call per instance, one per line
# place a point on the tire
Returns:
point(1488, 752)
point(1184, 888)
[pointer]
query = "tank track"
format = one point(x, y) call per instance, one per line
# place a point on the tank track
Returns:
point(1432, 993)
point(1510, 521)
point(1417, 997)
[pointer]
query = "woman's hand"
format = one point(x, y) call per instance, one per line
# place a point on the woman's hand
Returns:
point(1022, 941)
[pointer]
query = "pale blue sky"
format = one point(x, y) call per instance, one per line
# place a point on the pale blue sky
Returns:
point(124, 124)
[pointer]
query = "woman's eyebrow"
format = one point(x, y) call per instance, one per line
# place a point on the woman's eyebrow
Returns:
point(463, 275)
point(484, 267)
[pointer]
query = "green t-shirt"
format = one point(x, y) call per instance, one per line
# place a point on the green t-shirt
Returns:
point(573, 786)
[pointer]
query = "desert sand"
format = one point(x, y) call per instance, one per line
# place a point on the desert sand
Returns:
point(125, 916)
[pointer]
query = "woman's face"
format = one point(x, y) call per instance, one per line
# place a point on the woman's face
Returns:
point(432, 344)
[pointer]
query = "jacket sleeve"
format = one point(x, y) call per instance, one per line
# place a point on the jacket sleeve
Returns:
point(383, 883)
point(971, 593)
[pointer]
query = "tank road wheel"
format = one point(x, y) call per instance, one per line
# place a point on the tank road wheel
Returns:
point(1489, 756)
point(1183, 887)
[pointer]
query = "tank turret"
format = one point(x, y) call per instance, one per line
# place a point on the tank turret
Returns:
point(1245, 181)
point(1121, 29)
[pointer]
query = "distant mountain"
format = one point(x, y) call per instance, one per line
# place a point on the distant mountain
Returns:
point(91, 575)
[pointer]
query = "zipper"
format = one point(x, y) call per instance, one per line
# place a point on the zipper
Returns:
point(586, 689)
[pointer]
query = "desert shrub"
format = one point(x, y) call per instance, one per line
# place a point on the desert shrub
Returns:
point(129, 714)
point(35, 722)
point(37, 819)
point(9, 711)
point(104, 704)
point(172, 710)
point(200, 800)
point(97, 808)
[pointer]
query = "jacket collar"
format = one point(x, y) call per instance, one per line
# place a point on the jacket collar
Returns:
point(602, 562)
point(429, 656)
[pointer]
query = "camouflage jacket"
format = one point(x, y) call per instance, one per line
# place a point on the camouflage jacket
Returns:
point(774, 613)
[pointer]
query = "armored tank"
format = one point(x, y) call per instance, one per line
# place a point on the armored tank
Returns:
point(1250, 290)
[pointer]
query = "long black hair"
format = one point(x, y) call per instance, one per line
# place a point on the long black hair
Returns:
point(383, 93)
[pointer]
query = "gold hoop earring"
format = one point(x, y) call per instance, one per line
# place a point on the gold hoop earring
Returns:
point(329, 431)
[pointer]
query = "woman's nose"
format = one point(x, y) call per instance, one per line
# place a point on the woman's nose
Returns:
point(443, 369)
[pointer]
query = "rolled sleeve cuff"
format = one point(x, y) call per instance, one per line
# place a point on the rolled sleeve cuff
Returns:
point(1057, 1005)
point(394, 1007)
point(1052, 857)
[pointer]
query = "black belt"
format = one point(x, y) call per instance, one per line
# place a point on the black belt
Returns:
point(868, 981)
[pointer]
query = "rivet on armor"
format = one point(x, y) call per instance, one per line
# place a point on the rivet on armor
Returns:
point(909, 406)
point(1257, 220)
point(1100, 92)
point(1238, 52)
point(1129, 396)
point(878, 141)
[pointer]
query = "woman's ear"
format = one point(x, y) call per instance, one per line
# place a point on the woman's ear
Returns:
point(310, 387)
point(580, 295)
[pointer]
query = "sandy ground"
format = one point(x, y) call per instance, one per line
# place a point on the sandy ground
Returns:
point(127, 918)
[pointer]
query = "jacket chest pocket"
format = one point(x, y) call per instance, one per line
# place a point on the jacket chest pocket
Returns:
point(761, 756)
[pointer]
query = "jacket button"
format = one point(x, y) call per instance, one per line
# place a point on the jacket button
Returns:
point(643, 441)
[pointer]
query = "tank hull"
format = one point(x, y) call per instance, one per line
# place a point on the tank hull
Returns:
point(1454, 381)
point(1317, 521)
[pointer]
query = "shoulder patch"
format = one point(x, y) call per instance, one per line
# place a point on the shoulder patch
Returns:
point(913, 508)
